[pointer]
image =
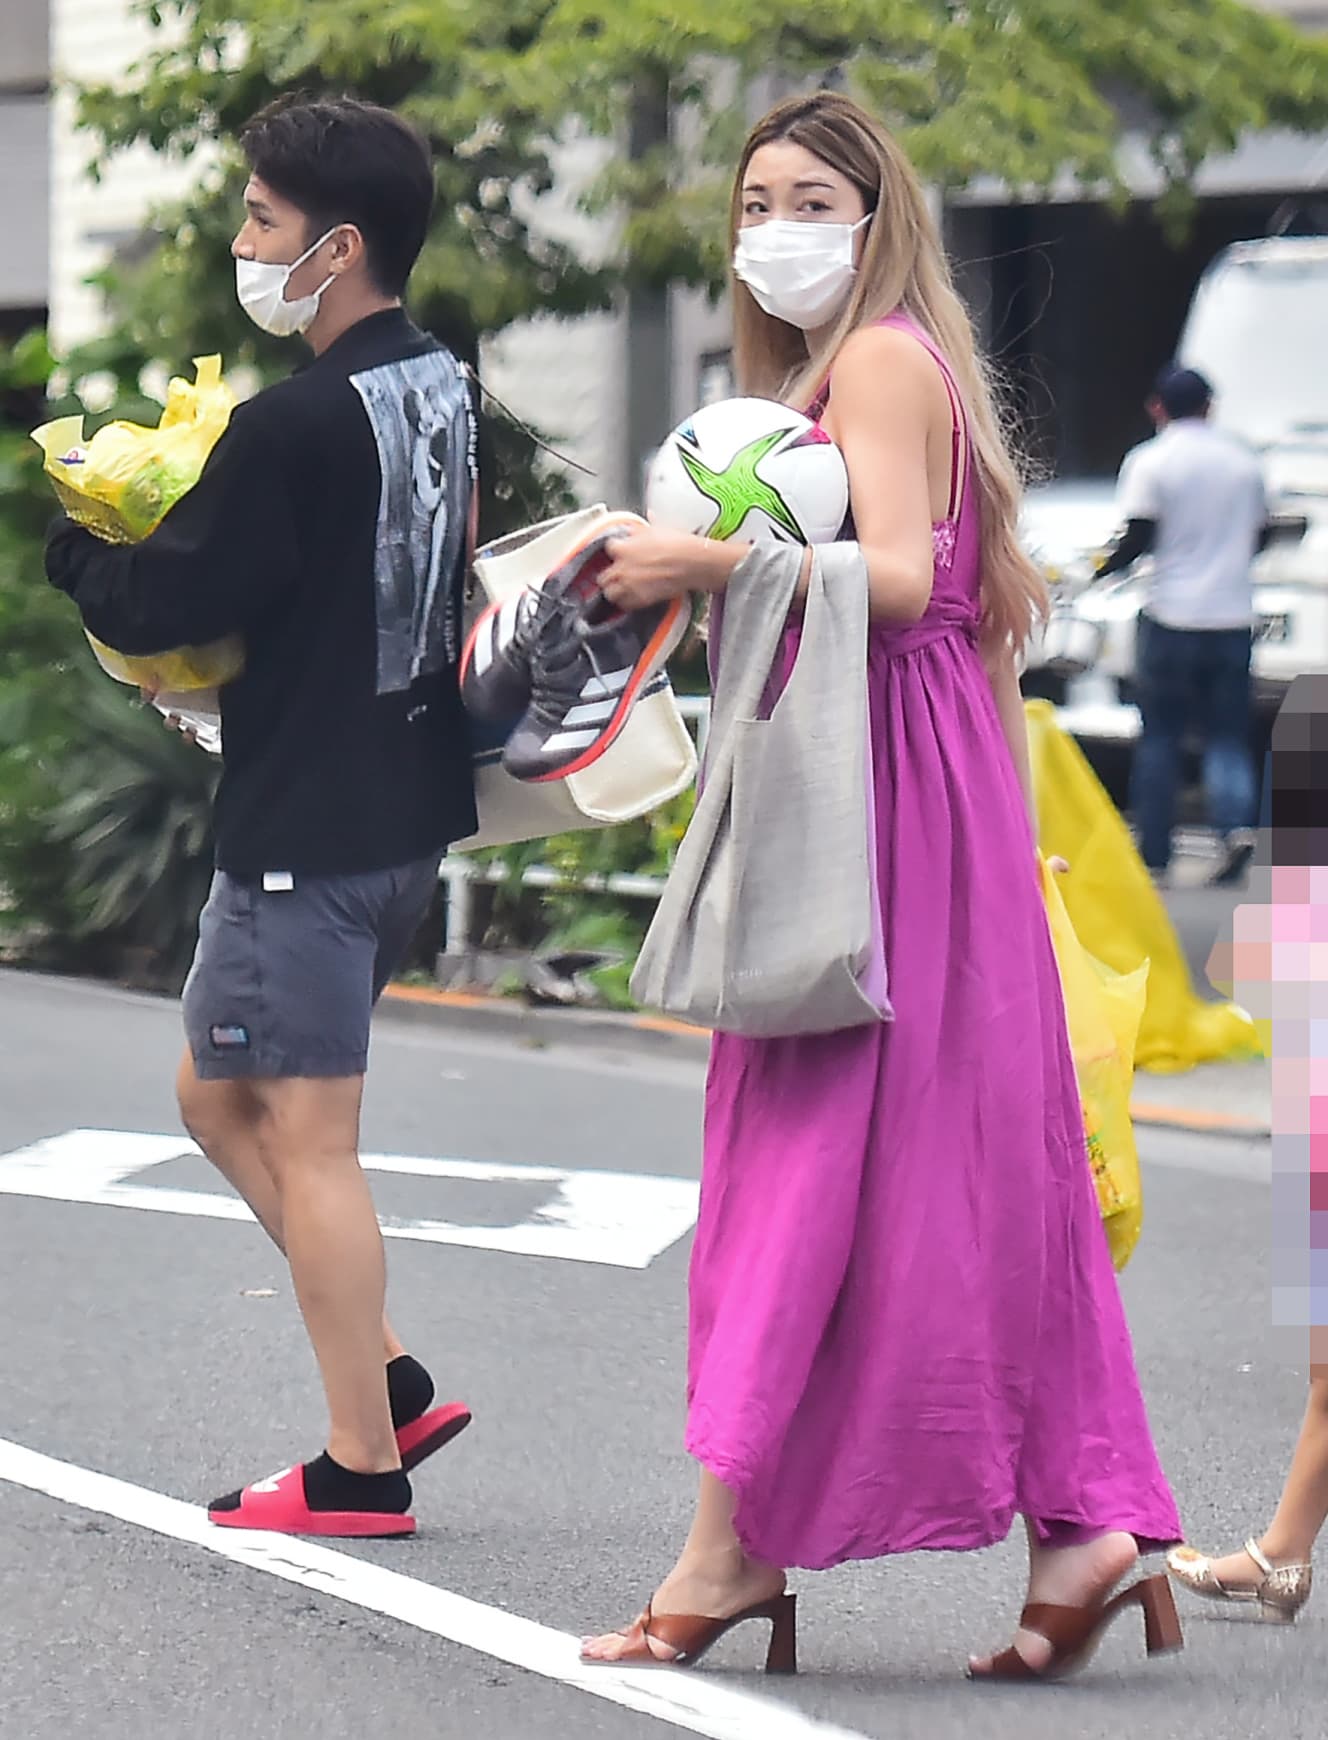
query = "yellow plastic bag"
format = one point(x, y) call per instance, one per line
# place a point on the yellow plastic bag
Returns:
point(184, 671)
point(1103, 1010)
point(1117, 911)
point(121, 485)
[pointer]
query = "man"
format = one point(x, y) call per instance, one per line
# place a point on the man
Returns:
point(347, 766)
point(1194, 497)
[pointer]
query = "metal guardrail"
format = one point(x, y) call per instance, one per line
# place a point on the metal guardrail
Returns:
point(459, 874)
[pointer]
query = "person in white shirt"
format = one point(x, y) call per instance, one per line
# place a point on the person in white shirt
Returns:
point(1194, 497)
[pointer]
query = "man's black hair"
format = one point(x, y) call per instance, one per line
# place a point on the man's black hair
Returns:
point(1183, 392)
point(342, 161)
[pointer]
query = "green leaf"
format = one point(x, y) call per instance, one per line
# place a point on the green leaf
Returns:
point(103, 814)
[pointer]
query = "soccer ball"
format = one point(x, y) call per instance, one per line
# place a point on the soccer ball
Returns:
point(750, 469)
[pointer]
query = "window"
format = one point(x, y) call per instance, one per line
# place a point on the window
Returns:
point(715, 377)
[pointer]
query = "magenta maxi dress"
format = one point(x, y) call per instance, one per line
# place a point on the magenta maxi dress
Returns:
point(905, 1326)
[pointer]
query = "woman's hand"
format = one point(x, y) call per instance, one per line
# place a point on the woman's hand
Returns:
point(1057, 866)
point(650, 565)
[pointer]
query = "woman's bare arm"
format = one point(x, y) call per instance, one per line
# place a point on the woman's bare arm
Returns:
point(886, 397)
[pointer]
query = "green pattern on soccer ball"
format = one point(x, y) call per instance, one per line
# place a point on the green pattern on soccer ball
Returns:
point(737, 489)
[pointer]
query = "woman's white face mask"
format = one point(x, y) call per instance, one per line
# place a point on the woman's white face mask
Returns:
point(798, 272)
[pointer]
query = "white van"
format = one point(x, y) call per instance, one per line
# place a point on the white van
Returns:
point(1255, 328)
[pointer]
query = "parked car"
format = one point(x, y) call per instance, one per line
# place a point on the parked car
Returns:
point(1255, 329)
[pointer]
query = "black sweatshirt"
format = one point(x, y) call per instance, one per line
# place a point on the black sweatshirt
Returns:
point(328, 530)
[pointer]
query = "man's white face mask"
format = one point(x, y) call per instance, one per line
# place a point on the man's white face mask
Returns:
point(261, 289)
point(798, 272)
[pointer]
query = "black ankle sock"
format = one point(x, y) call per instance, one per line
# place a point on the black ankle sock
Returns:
point(409, 1389)
point(329, 1486)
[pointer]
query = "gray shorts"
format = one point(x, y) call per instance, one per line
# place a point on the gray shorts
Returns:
point(288, 969)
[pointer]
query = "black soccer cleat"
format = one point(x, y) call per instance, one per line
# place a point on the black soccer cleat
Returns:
point(495, 661)
point(589, 663)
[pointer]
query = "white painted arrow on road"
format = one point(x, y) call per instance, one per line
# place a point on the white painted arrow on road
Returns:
point(622, 1219)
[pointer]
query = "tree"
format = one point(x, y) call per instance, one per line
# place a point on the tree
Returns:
point(1026, 91)
point(104, 815)
point(1023, 90)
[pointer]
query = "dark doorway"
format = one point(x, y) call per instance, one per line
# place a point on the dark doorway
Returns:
point(1081, 307)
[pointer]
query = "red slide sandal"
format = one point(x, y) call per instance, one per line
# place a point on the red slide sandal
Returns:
point(278, 1505)
point(420, 1438)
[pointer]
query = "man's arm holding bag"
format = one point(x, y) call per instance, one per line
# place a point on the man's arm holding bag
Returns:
point(223, 556)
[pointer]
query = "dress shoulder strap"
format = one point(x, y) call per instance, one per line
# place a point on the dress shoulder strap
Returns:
point(959, 437)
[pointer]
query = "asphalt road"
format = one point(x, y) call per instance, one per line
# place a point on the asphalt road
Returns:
point(1201, 916)
point(163, 1349)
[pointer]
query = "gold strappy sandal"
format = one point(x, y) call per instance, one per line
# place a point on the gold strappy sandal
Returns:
point(1279, 1596)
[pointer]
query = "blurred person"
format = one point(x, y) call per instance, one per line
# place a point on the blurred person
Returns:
point(905, 1328)
point(1274, 1572)
point(1276, 970)
point(347, 763)
point(1193, 498)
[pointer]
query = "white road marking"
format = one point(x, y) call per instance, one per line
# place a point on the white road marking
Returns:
point(699, 1704)
point(622, 1219)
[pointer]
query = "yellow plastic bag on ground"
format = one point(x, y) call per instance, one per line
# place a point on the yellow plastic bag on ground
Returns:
point(1103, 1009)
point(121, 485)
point(1118, 913)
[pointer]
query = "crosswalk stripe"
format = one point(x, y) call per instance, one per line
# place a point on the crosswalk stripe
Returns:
point(690, 1701)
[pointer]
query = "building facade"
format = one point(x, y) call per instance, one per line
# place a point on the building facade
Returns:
point(90, 220)
point(1079, 306)
point(25, 82)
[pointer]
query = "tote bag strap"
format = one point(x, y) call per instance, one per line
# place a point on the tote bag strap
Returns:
point(834, 632)
point(757, 601)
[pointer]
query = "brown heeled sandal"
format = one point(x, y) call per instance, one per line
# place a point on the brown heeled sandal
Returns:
point(1075, 1632)
point(690, 1635)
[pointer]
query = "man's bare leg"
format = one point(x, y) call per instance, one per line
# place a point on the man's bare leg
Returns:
point(308, 1135)
point(223, 1117)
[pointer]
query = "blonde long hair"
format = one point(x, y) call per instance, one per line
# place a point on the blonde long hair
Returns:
point(903, 268)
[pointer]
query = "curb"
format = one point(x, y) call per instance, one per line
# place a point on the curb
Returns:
point(502, 1017)
point(1200, 1123)
point(538, 1027)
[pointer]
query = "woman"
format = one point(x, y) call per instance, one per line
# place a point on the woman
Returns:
point(905, 1326)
